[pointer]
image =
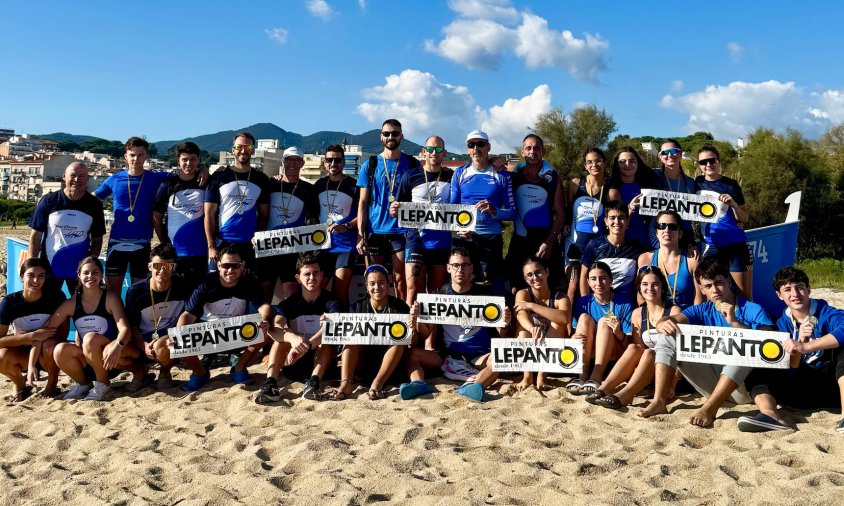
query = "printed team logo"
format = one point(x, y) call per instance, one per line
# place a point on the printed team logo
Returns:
point(492, 313)
point(707, 210)
point(248, 332)
point(568, 357)
point(398, 331)
point(436, 216)
point(365, 329)
point(318, 237)
point(771, 351)
point(291, 240)
point(464, 218)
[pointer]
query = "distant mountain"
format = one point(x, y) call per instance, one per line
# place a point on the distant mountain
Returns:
point(64, 137)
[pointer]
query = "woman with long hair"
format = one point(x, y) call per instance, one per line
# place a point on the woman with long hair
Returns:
point(674, 262)
point(628, 177)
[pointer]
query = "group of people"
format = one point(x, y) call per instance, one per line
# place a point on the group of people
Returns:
point(640, 278)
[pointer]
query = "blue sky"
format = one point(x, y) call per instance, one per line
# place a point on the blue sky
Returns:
point(169, 70)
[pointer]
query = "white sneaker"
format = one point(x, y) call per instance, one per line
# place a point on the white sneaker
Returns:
point(458, 370)
point(77, 392)
point(98, 392)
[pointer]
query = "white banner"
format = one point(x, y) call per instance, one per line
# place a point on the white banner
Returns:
point(212, 337)
point(704, 208)
point(462, 310)
point(452, 217)
point(291, 240)
point(729, 346)
point(366, 329)
point(563, 356)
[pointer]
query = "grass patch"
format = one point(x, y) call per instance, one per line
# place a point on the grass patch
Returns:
point(824, 272)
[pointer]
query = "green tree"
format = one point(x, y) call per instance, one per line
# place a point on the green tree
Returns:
point(567, 137)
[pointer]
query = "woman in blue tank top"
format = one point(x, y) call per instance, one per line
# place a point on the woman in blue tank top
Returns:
point(586, 199)
point(674, 261)
point(628, 177)
point(103, 342)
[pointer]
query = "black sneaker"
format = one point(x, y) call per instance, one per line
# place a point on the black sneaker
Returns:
point(269, 392)
point(312, 390)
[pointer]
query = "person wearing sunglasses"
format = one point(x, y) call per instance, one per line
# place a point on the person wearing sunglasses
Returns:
point(635, 368)
point(178, 215)
point(718, 383)
point(628, 177)
point(726, 238)
point(491, 192)
point(540, 212)
point(426, 252)
point(675, 262)
point(338, 197)
point(153, 306)
point(237, 203)
point(224, 293)
point(673, 179)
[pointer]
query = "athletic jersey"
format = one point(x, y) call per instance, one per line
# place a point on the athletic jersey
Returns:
point(649, 333)
point(68, 226)
point(726, 230)
point(303, 316)
point(587, 211)
point(636, 229)
point(467, 340)
point(139, 191)
point(384, 179)
point(394, 306)
point(212, 301)
point(537, 319)
point(545, 169)
point(830, 320)
point(618, 306)
point(339, 203)
point(28, 316)
point(534, 202)
point(233, 194)
point(622, 261)
point(291, 204)
point(98, 322)
point(470, 186)
point(681, 291)
point(413, 188)
point(181, 204)
point(168, 307)
point(747, 312)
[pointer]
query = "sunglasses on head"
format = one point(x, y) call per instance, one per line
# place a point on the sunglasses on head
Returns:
point(670, 151)
point(670, 226)
point(243, 147)
point(330, 160)
point(650, 269)
point(391, 133)
point(476, 144)
point(707, 161)
point(434, 149)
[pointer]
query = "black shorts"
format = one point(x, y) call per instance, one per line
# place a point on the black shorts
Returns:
point(736, 256)
point(804, 387)
point(385, 244)
point(486, 251)
point(426, 256)
point(303, 368)
point(192, 270)
point(330, 262)
point(276, 267)
point(123, 254)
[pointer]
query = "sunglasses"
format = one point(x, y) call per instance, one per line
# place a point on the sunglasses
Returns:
point(670, 226)
point(163, 266)
point(707, 161)
point(650, 269)
point(476, 144)
point(670, 151)
point(231, 265)
point(329, 160)
point(535, 274)
point(243, 147)
point(434, 149)
point(391, 133)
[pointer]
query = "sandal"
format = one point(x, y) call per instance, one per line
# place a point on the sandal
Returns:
point(376, 394)
point(594, 396)
point(340, 395)
point(610, 401)
point(588, 387)
point(20, 396)
point(573, 386)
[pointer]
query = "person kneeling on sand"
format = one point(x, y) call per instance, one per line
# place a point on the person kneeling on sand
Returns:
point(816, 377)
point(717, 382)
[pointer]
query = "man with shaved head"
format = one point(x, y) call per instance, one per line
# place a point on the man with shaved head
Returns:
point(67, 226)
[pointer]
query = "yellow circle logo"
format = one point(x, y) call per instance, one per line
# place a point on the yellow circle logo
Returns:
point(318, 237)
point(568, 357)
point(771, 351)
point(707, 210)
point(398, 331)
point(248, 331)
point(464, 218)
point(492, 313)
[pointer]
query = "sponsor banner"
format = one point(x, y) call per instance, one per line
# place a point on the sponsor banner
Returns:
point(563, 356)
point(291, 240)
point(366, 329)
point(212, 337)
point(452, 217)
point(730, 346)
point(704, 208)
point(462, 310)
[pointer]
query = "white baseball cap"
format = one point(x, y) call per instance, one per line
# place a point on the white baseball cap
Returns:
point(292, 151)
point(477, 134)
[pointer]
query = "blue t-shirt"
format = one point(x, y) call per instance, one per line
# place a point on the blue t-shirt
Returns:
point(29, 316)
point(534, 202)
point(636, 228)
point(830, 321)
point(181, 203)
point(141, 189)
point(747, 312)
point(470, 186)
point(413, 188)
point(622, 261)
point(234, 193)
point(68, 226)
point(619, 306)
point(291, 204)
point(726, 230)
point(385, 182)
point(339, 202)
point(169, 305)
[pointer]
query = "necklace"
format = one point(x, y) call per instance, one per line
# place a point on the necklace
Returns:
point(330, 205)
point(157, 322)
point(132, 203)
point(241, 195)
point(284, 208)
point(391, 181)
point(609, 313)
point(673, 290)
point(386, 308)
point(436, 184)
point(595, 206)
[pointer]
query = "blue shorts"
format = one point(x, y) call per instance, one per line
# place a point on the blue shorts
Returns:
point(736, 255)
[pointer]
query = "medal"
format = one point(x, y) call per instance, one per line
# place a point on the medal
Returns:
point(131, 218)
point(155, 336)
point(391, 198)
point(329, 221)
point(594, 229)
point(717, 305)
point(239, 210)
point(284, 222)
point(812, 320)
point(132, 203)
point(610, 314)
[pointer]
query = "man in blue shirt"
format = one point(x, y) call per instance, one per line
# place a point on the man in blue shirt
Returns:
point(722, 309)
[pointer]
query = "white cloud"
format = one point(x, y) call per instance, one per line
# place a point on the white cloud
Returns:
point(320, 9)
point(426, 106)
point(277, 34)
point(736, 51)
point(539, 46)
point(831, 105)
point(475, 43)
point(500, 10)
point(676, 86)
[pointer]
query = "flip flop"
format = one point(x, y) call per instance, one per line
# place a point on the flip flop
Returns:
point(588, 387)
point(609, 401)
point(573, 386)
point(376, 394)
point(840, 428)
point(760, 423)
point(594, 396)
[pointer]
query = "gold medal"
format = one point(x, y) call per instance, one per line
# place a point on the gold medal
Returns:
point(717, 305)
point(130, 219)
point(610, 314)
point(391, 198)
point(812, 320)
point(155, 336)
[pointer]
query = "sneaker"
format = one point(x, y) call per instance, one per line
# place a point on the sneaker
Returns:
point(77, 392)
point(98, 392)
point(240, 377)
point(840, 428)
point(269, 392)
point(312, 390)
point(760, 423)
point(459, 370)
point(414, 389)
point(472, 391)
point(196, 382)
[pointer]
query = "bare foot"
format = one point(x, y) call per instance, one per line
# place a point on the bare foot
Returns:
point(541, 385)
point(343, 392)
point(524, 385)
point(656, 407)
point(49, 391)
point(702, 417)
